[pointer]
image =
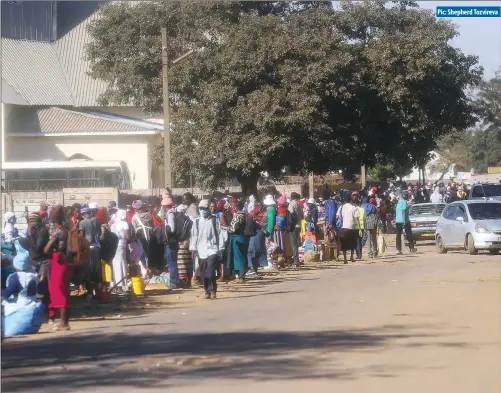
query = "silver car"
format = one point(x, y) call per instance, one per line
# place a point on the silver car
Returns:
point(424, 217)
point(472, 225)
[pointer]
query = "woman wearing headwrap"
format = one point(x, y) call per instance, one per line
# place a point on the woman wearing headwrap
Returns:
point(109, 243)
point(142, 222)
point(280, 223)
point(373, 222)
point(268, 225)
point(121, 229)
point(22, 314)
point(238, 244)
point(60, 269)
point(256, 255)
point(157, 242)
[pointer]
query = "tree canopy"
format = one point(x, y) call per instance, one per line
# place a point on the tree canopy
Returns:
point(288, 84)
point(480, 147)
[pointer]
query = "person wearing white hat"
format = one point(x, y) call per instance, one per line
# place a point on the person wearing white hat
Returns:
point(207, 241)
point(268, 222)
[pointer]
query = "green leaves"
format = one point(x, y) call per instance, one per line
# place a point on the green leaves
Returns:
point(288, 84)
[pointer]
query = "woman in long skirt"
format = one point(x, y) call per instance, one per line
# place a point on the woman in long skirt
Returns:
point(239, 243)
point(59, 283)
point(185, 263)
point(257, 251)
point(157, 242)
point(121, 229)
point(237, 254)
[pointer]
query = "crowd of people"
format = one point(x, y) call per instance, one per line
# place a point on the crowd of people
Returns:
point(96, 250)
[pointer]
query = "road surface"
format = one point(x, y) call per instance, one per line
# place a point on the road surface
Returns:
point(418, 323)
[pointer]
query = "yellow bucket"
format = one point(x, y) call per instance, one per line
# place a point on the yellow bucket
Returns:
point(138, 285)
point(106, 271)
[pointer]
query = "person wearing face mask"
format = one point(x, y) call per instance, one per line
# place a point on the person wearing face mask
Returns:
point(207, 241)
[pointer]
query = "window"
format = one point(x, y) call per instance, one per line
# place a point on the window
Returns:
point(450, 212)
point(460, 212)
point(485, 211)
point(486, 190)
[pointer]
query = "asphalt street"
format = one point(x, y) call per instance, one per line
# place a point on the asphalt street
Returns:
point(417, 323)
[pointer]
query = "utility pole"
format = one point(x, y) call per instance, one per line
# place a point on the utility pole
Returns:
point(311, 184)
point(363, 179)
point(165, 79)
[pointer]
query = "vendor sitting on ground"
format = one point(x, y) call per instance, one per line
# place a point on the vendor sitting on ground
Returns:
point(22, 313)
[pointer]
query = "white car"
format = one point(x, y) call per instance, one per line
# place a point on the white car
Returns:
point(472, 225)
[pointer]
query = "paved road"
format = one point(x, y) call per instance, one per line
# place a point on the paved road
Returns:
point(423, 323)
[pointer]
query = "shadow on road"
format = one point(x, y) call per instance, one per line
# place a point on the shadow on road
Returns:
point(145, 360)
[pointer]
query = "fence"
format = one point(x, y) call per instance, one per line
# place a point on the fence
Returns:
point(25, 202)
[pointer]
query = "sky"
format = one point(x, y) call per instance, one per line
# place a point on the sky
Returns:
point(477, 36)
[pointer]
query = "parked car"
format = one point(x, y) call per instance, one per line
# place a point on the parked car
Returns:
point(485, 191)
point(472, 225)
point(424, 217)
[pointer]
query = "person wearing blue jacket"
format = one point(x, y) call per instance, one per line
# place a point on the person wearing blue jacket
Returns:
point(330, 212)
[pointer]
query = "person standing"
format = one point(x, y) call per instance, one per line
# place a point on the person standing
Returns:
point(184, 260)
point(348, 220)
point(239, 243)
point(312, 215)
point(403, 223)
point(60, 267)
point(207, 241)
point(373, 222)
point(91, 228)
point(256, 254)
point(359, 227)
point(121, 228)
point(296, 214)
point(436, 197)
point(268, 224)
point(280, 223)
point(172, 243)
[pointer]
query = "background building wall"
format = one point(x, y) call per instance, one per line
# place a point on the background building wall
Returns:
point(133, 150)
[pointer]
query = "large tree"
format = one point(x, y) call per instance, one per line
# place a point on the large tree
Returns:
point(275, 84)
point(479, 147)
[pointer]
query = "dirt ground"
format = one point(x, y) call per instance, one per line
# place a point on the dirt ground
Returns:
point(417, 323)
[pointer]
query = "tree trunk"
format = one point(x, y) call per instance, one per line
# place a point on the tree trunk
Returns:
point(249, 183)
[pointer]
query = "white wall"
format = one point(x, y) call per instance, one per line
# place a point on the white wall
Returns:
point(133, 150)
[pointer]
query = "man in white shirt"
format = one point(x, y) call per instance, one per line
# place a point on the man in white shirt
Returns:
point(207, 241)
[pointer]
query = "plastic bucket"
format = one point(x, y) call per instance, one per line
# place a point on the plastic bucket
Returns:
point(138, 285)
point(106, 271)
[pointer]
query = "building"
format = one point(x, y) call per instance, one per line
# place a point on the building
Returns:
point(50, 109)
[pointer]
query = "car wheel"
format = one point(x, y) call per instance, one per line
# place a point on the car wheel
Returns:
point(471, 245)
point(440, 245)
point(494, 252)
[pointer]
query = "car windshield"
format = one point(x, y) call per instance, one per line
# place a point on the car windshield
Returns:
point(485, 211)
point(487, 190)
point(430, 210)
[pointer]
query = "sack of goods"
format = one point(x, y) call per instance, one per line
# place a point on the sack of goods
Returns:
point(311, 256)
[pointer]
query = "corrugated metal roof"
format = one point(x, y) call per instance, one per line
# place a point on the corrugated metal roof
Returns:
point(29, 120)
point(55, 73)
point(71, 55)
point(32, 69)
